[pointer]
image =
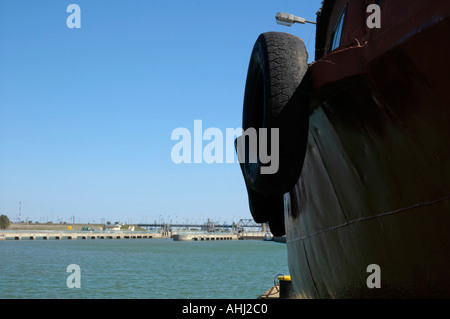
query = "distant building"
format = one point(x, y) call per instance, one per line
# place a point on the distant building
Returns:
point(111, 227)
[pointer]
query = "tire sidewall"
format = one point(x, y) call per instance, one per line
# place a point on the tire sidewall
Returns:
point(262, 111)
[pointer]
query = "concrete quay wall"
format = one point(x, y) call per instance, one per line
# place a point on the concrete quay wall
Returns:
point(57, 235)
point(203, 237)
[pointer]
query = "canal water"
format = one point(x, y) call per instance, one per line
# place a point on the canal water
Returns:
point(140, 268)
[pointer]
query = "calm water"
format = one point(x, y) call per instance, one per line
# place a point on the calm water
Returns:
point(140, 268)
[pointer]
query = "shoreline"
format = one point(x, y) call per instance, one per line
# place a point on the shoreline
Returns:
point(59, 227)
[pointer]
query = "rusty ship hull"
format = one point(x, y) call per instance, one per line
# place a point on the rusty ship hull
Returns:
point(371, 156)
point(375, 183)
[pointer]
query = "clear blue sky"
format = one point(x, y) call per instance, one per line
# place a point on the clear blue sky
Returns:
point(86, 115)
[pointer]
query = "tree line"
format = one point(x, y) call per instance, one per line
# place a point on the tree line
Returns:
point(4, 222)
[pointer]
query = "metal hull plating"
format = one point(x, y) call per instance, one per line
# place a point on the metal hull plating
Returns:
point(375, 184)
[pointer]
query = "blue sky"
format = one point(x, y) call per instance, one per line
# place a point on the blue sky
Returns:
point(86, 115)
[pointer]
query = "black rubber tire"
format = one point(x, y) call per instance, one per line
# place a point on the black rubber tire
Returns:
point(276, 96)
point(277, 67)
point(267, 209)
point(261, 204)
